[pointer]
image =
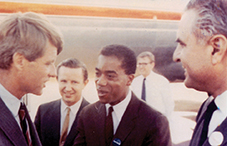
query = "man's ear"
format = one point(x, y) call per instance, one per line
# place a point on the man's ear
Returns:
point(86, 81)
point(219, 45)
point(130, 79)
point(18, 60)
point(152, 65)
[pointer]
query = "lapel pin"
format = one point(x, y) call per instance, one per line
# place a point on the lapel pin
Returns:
point(116, 142)
point(216, 138)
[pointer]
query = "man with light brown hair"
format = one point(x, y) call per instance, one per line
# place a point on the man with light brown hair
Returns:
point(29, 45)
point(152, 87)
point(72, 78)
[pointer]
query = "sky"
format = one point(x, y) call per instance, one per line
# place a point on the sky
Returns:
point(164, 5)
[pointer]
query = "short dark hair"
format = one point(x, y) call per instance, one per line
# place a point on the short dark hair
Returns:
point(73, 63)
point(212, 17)
point(123, 53)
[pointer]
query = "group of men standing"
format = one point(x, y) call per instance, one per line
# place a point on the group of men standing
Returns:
point(129, 115)
point(29, 45)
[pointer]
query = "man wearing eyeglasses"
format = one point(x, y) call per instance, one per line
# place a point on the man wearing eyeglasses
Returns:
point(152, 87)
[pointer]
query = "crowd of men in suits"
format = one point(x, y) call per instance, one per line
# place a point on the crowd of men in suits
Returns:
point(29, 45)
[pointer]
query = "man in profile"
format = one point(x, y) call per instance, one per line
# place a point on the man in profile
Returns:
point(119, 117)
point(202, 50)
point(152, 87)
point(56, 121)
point(29, 45)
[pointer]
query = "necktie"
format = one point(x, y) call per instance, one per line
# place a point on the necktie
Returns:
point(143, 95)
point(207, 116)
point(109, 127)
point(64, 128)
point(24, 124)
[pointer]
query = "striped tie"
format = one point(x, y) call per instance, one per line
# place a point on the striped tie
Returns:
point(24, 124)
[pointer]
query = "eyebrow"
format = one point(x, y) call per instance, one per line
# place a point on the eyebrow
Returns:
point(108, 71)
point(180, 41)
point(97, 69)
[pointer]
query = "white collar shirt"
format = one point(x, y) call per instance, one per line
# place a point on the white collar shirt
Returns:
point(220, 114)
point(11, 102)
point(73, 112)
point(158, 92)
point(119, 110)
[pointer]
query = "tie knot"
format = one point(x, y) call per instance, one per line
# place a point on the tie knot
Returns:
point(68, 110)
point(211, 107)
point(110, 110)
point(22, 106)
point(144, 79)
point(22, 111)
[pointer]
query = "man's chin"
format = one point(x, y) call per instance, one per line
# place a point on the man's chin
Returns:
point(103, 100)
point(189, 84)
point(39, 93)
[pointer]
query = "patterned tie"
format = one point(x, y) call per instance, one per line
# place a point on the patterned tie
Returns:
point(143, 96)
point(109, 127)
point(64, 128)
point(24, 124)
point(207, 116)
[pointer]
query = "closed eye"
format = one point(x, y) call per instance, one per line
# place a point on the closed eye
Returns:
point(180, 42)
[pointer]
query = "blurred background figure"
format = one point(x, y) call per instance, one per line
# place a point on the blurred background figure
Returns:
point(56, 121)
point(152, 87)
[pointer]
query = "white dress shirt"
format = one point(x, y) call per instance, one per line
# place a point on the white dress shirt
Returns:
point(74, 109)
point(158, 93)
point(220, 114)
point(12, 102)
point(119, 110)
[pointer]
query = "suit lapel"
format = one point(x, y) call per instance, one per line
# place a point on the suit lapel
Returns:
point(199, 125)
point(10, 127)
point(128, 120)
point(55, 117)
point(100, 122)
point(201, 111)
point(33, 132)
point(223, 129)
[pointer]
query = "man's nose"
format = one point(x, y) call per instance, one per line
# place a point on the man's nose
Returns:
point(101, 80)
point(176, 55)
point(68, 87)
point(52, 71)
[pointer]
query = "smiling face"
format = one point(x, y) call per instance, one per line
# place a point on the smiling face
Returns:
point(144, 66)
point(71, 84)
point(195, 56)
point(111, 81)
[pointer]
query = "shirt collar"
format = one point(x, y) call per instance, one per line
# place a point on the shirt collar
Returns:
point(74, 108)
point(120, 108)
point(10, 100)
point(221, 102)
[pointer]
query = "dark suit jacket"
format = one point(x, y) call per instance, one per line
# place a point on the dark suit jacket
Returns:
point(198, 129)
point(47, 123)
point(10, 132)
point(140, 125)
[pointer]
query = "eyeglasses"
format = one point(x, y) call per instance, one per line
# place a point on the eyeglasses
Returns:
point(143, 64)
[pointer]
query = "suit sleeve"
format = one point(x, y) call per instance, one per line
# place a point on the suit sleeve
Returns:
point(37, 121)
point(161, 135)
